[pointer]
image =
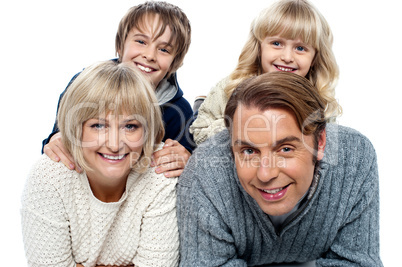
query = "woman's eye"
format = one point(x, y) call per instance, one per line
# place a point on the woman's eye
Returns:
point(132, 127)
point(98, 126)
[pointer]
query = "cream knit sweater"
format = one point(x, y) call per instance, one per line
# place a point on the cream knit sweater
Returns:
point(64, 224)
point(210, 114)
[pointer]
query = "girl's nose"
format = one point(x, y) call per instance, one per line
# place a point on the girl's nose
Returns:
point(287, 55)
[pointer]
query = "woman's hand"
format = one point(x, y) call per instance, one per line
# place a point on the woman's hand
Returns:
point(56, 151)
point(171, 159)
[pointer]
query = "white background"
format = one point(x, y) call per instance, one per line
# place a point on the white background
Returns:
point(44, 43)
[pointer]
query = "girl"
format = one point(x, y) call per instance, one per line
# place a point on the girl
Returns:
point(289, 36)
point(118, 211)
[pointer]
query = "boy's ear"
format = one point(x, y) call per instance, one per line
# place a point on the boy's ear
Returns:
point(322, 141)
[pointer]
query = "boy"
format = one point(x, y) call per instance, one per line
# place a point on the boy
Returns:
point(154, 37)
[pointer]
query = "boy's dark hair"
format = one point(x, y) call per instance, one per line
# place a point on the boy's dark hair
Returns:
point(169, 15)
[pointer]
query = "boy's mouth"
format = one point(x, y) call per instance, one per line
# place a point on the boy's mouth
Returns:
point(283, 68)
point(145, 68)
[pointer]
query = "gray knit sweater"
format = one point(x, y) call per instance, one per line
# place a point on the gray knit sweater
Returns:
point(221, 225)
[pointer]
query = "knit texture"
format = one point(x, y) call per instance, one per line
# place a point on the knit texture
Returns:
point(64, 224)
point(221, 225)
point(210, 114)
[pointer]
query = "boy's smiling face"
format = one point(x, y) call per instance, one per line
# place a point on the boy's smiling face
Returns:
point(152, 56)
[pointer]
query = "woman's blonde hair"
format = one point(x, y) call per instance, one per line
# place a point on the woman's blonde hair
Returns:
point(109, 87)
point(292, 19)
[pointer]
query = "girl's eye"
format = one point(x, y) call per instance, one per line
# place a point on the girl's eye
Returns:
point(276, 43)
point(300, 48)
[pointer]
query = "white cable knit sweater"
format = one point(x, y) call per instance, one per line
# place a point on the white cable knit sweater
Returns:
point(64, 224)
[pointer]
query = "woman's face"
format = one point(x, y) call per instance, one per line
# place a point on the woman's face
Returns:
point(112, 144)
point(281, 54)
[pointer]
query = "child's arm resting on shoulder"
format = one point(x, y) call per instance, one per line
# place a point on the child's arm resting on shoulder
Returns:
point(56, 151)
point(210, 114)
point(171, 159)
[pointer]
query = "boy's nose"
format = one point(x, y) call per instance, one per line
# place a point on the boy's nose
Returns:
point(149, 54)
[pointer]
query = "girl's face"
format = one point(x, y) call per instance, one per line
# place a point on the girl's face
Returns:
point(281, 54)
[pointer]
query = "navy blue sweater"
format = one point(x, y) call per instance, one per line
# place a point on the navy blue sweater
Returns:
point(177, 116)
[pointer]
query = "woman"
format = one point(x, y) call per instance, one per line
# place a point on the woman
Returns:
point(117, 212)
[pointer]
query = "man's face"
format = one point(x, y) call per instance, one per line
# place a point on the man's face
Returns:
point(152, 56)
point(273, 157)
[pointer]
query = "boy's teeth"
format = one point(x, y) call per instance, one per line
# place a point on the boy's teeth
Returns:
point(274, 191)
point(284, 69)
point(146, 69)
point(113, 157)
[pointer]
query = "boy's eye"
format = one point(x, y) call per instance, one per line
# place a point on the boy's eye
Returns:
point(164, 50)
point(140, 41)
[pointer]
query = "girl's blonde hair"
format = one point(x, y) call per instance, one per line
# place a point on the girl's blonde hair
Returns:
point(292, 19)
point(109, 87)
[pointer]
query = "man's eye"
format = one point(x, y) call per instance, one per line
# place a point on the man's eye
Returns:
point(248, 151)
point(286, 149)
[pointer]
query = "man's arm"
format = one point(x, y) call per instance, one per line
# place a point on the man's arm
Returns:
point(357, 242)
point(205, 238)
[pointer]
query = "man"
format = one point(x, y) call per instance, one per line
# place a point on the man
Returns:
point(280, 185)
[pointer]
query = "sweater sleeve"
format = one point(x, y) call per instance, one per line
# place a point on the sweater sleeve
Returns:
point(357, 242)
point(159, 237)
point(45, 226)
point(210, 114)
point(205, 237)
point(55, 126)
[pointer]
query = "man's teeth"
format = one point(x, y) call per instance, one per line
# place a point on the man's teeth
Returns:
point(274, 191)
point(146, 69)
point(284, 69)
point(118, 157)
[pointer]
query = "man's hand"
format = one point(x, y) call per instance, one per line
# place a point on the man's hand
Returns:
point(171, 159)
point(57, 152)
